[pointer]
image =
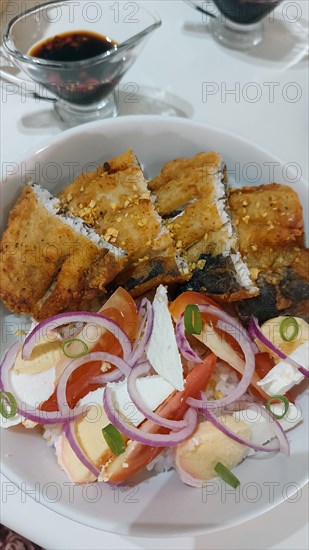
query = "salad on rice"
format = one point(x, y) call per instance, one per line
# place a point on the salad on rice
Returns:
point(156, 385)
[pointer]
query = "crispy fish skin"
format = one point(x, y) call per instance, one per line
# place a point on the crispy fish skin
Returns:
point(147, 275)
point(191, 194)
point(47, 266)
point(271, 238)
point(116, 202)
point(282, 292)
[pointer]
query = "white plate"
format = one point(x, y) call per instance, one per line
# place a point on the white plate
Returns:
point(160, 505)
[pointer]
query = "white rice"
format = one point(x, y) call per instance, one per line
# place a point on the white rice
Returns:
point(53, 205)
point(221, 201)
point(164, 462)
point(242, 272)
point(51, 433)
point(223, 380)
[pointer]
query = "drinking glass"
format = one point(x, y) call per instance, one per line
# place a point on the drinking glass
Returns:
point(239, 22)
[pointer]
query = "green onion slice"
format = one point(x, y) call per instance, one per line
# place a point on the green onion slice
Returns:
point(193, 319)
point(270, 402)
point(74, 348)
point(226, 475)
point(284, 327)
point(8, 405)
point(114, 439)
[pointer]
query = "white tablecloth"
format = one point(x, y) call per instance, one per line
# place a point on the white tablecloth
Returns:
point(261, 95)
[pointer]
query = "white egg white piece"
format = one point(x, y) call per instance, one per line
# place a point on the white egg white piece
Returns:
point(92, 398)
point(283, 376)
point(10, 422)
point(153, 390)
point(31, 389)
point(261, 431)
point(162, 351)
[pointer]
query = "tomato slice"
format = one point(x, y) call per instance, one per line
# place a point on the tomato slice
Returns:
point(263, 363)
point(137, 456)
point(125, 311)
point(178, 306)
point(121, 308)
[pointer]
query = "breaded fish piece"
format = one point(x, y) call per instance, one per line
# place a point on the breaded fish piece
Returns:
point(191, 194)
point(50, 260)
point(271, 239)
point(116, 202)
point(266, 216)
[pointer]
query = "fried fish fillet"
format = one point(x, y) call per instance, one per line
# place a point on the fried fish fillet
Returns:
point(271, 239)
point(116, 202)
point(267, 216)
point(191, 195)
point(50, 260)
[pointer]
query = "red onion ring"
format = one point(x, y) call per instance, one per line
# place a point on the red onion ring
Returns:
point(28, 411)
point(123, 369)
point(69, 432)
point(255, 331)
point(276, 426)
point(137, 400)
point(146, 326)
point(244, 382)
point(224, 429)
point(184, 347)
point(153, 440)
point(81, 317)
point(255, 348)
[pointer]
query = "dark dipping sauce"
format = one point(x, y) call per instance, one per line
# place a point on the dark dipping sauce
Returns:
point(72, 46)
point(81, 86)
point(245, 12)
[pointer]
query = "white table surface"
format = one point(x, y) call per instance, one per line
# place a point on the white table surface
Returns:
point(183, 71)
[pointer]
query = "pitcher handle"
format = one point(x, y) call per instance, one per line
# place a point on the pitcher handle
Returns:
point(24, 84)
point(6, 62)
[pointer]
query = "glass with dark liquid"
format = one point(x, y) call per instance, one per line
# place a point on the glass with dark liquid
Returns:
point(245, 12)
point(78, 55)
point(79, 85)
point(239, 24)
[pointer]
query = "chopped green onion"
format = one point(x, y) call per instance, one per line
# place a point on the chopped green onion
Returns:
point(284, 329)
point(284, 400)
point(226, 475)
point(79, 348)
point(8, 405)
point(114, 439)
point(193, 319)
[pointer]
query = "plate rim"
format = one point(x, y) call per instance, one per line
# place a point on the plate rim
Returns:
point(151, 531)
point(48, 142)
